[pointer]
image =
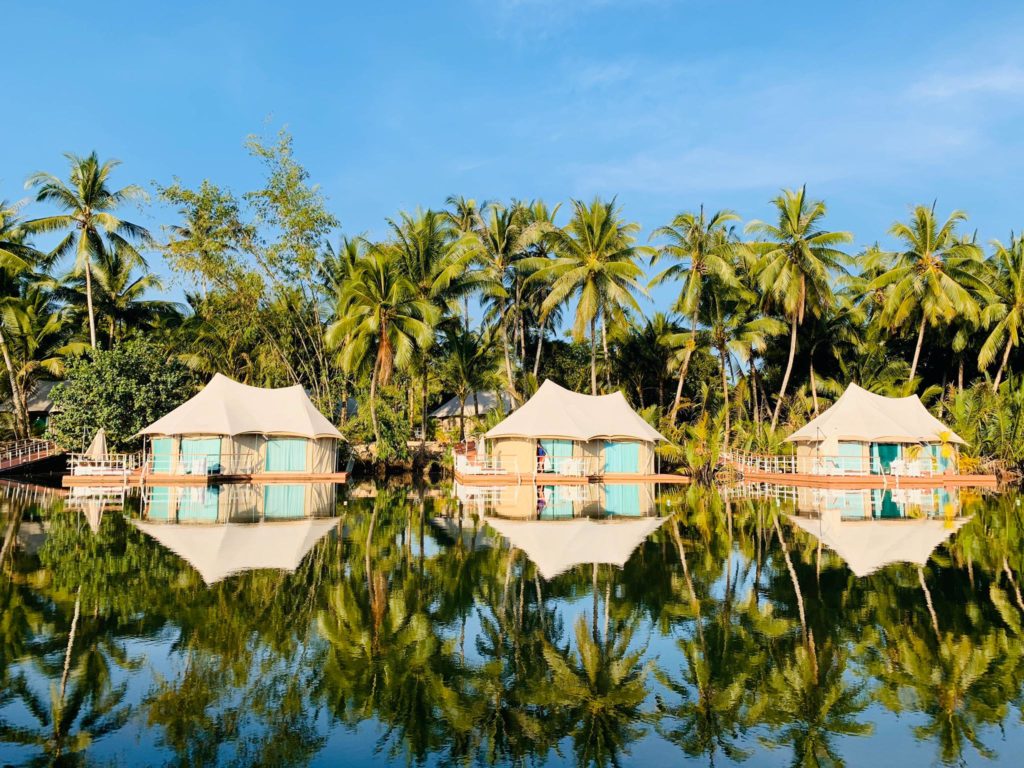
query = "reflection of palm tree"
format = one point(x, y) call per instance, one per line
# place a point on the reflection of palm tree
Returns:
point(961, 684)
point(809, 701)
point(597, 692)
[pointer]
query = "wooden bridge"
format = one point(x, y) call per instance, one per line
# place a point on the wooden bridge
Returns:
point(19, 453)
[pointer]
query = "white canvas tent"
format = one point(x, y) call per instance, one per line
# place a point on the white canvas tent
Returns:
point(485, 403)
point(862, 416)
point(559, 413)
point(217, 551)
point(227, 407)
point(555, 546)
point(870, 545)
point(234, 429)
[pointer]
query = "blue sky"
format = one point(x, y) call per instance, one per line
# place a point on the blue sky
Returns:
point(667, 104)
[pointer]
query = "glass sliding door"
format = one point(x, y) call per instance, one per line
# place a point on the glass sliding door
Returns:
point(286, 454)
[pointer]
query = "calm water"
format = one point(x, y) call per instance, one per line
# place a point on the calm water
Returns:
point(520, 626)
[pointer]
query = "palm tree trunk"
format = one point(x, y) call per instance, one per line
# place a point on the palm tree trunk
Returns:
point(593, 355)
point(1002, 366)
point(917, 353)
point(814, 389)
point(789, 370)
point(373, 404)
point(88, 300)
point(424, 394)
point(540, 344)
point(607, 359)
point(462, 419)
point(725, 399)
point(792, 576)
point(682, 371)
point(71, 644)
point(508, 360)
point(17, 400)
point(755, 402)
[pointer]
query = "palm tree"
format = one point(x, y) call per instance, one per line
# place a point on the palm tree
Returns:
point(17, 258)
point(1008, 310)
point(597, 264)
point(796, 266)
point(701, 248)
point(380, 316)
point(118, 293)
point(469, 366)
point(88, 203)
point(422, 243)
point(498, 249)
point(937, 274)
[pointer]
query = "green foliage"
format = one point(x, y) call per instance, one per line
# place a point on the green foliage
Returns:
point(120, 390)
point(393, 445)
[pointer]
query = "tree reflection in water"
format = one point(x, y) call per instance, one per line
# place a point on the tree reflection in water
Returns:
point(414, 633)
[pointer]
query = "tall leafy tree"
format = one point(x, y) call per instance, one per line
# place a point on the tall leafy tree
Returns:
point(1007, 311)
point(936, 278)
point(380, 320)
point(88, 203)
point(797, 263)
point(701, 248)
point(596, 264)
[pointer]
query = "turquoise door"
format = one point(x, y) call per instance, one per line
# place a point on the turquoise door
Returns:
point(621, 458)
point(162, 448)
point(159, 503)
point(197, 451)
point(884, 505)
point(622, 500)
point(286, 454)
point(557, 452)
point(882, 457)
point(199, 505)
point(284, 502)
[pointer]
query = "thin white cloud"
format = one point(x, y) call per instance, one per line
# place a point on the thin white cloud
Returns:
point(996, 81)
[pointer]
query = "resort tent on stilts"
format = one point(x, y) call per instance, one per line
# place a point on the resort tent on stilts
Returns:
point(565, 432)
point(231, 428)
point(868, 545)
point(866, 433)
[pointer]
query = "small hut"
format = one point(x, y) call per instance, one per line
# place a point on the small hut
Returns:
point(565, 432)
point(231, 428)
point(865, 433)
point(477, 404)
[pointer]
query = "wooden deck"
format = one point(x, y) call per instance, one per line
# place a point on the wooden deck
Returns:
point(870, 481)
point(545, 478)
point(136, 479)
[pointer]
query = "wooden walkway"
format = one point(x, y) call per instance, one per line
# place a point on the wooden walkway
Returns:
point(137, 480)
point(546, 478)
point(20, 453)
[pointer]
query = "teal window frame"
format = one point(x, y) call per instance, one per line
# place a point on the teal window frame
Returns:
point(195, 447)
point(162, 451)
point(620, 455)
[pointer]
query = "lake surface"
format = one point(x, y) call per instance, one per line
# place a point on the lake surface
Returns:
point(626, 625)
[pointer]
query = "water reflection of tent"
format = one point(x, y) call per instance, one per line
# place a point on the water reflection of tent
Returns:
point(869, 545)
point(217, 551)
point(555, 546)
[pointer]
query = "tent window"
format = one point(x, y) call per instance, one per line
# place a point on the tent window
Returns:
point(286, 454)
point(162, 448)
point(882, 457)
point(160, 500)
point(199, 505)
point(284, 501)
point(851, 456)
point(621, 457)
point(200, 455)
point(556, 452)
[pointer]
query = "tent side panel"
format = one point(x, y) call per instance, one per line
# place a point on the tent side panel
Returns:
point(515, 454)
point(322, 455)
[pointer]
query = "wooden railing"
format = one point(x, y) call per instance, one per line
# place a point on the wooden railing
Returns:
point(23, 451)
point(112, 464)
point(843, 466)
